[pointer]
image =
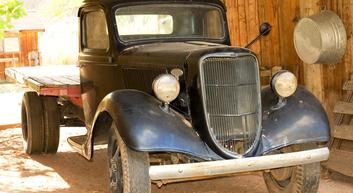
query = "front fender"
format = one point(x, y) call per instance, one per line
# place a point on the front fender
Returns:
point(301, 120)
point(145, 126)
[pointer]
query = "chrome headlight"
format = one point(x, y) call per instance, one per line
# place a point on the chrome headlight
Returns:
point(284, 83)
point(166, 87)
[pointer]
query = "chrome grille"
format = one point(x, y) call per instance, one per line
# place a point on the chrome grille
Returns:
point(231, 96)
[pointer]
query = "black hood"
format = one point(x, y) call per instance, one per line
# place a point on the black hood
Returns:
point(172, 54)
point(165, 54)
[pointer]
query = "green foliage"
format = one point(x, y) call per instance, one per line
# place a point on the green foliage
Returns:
point(9, 10)
point(60, 8)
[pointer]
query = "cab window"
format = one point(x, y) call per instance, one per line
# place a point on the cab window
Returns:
point(95, 29)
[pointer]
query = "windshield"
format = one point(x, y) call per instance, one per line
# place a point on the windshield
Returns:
point(169, 21)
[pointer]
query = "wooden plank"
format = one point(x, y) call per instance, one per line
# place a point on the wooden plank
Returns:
point(233, 21)
point(348, 85)
point(341, 161)
point(252, 20)
point(242, 22)
point(22, 73)
point(335, 76)
point(288, 16)
point(10, 126)
point(343, 132)
point(343, 108)
point(313, 74)
point(270, 47)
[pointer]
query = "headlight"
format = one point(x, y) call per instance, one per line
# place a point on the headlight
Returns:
point(284, 83)
point(166, 87)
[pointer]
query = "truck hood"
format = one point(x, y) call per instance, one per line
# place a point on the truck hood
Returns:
point(166, 54)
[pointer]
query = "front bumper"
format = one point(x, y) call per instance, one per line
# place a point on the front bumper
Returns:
point(227, 167)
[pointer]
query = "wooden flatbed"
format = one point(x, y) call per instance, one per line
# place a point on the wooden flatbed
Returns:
point(58, 80)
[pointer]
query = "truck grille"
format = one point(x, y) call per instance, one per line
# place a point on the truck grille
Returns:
point(231, 94)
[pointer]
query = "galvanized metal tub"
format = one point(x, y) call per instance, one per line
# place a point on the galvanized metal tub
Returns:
point(320, 38)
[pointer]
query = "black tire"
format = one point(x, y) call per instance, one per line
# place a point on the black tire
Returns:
point(128, 169)
point(32, 123)
point(51, 119)
point(296, 179)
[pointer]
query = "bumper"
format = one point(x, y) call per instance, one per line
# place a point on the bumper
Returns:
point(226, 167)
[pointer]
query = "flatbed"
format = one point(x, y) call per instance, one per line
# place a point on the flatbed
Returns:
point(55, 80)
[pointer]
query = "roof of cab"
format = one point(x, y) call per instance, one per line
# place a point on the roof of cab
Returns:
point(114, 2)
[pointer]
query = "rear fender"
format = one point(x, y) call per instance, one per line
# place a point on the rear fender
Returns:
point(145, 126)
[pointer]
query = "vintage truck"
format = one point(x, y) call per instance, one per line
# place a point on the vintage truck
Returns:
point(161, 85)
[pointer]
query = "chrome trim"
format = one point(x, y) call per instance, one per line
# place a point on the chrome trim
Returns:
point(203, 90)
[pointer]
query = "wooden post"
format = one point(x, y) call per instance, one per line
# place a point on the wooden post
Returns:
point(313, 73)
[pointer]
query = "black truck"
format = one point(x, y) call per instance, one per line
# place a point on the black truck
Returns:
point(162, 86)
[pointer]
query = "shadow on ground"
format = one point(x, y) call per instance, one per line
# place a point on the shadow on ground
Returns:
point(67, 172)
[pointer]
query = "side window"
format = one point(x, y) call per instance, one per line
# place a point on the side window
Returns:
point(95, 29)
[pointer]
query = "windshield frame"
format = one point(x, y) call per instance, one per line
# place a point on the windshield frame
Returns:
point(223, 40)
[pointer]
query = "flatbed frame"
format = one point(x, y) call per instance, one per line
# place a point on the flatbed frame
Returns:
point(56, 80)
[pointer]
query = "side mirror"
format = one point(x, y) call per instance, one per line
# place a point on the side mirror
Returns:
point(265, 29)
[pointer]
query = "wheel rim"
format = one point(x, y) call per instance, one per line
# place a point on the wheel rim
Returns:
point(116, 172)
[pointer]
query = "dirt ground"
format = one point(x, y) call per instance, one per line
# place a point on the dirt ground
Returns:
point(67, 172)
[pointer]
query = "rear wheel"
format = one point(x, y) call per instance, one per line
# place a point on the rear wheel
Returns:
point(51, 119)
point(296, 179)
point(32, 123)
point(128, 169)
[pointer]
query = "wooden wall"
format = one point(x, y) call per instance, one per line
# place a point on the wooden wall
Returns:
point(325, 81)
point(245, 17)
point(28, 42)
point(333, 77)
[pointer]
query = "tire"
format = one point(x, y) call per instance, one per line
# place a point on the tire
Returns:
point(32, 123)
point(51, 119)
point(296, 179)
point(128, 169)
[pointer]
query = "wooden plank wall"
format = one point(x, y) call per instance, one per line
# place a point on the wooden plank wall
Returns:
point(28, 42)
point(4, 65)
point(245, 16)
point(335, 76)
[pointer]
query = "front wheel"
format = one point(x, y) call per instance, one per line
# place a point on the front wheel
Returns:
point(296, 179)
point(128, 169)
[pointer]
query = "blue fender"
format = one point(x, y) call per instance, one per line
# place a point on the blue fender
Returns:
point(145, 126)
point(301, 120)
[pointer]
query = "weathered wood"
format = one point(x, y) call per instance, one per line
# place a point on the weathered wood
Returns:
point(313, 74)
point(343, 108)
point(10, 126)
point(348, 85)
point(343, 132)
point(45, 72)
point(341, 161)
point(61, 80)
point(288, 16)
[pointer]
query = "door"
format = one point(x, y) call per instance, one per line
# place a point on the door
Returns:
point(99, 74)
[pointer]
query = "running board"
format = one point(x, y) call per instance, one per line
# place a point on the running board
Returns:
point(78, 143)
